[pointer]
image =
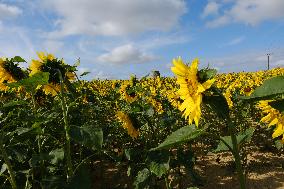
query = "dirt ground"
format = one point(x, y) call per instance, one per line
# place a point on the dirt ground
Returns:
point(265, 171)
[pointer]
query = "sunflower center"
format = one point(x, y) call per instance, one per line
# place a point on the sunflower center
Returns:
point(192, 86)
point(16, 72)
point(52, 66)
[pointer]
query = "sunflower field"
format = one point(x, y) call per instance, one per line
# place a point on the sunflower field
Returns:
point(59, 131)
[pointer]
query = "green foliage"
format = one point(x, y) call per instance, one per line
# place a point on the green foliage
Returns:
point(14, 103)
point(18, 59)
point(182, 135)
point(3, 168)
point(206, 74)
point(278, 105)
point(142, 179)
point(158, 162)
point(31, 83)
point(81, 179)
point(269, 88)
point(217, 103)
point(37, 129)
point(84, 73)
point(279, 145)
point(88, 136)
point(241, 138)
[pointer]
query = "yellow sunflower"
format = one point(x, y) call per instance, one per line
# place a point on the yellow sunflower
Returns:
point(36, 65)
point(273, 117)
point(9, 72)
point(127, 124)
point(124, 94)
point(48, 63)
point(190, 89)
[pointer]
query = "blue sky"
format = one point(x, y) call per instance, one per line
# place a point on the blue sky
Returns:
point(117, 38)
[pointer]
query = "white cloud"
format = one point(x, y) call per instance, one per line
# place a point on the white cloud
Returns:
point(53, 46)
point(251, 12)
point(159, 41)
point(279, 63)
point(211, 8)
point(220, 21)
point(8, 11)
point(126, 54)
point(112, 17)
point(247, 61)
point(16, 42)
point(236, 41)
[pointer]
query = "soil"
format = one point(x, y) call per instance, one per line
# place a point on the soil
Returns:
point(264, 167)
point(265, 170)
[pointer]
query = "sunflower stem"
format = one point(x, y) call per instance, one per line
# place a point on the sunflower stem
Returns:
point(39, 135)
point(67, 130)
point(236, 154)
point(12, 178)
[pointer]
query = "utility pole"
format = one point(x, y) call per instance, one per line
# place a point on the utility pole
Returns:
point(268, 55)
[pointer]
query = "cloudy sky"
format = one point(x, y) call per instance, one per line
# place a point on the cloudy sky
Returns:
point(116, 38)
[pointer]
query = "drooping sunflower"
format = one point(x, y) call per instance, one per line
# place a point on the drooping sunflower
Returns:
point(9, 72)
point(190, 89)
point(127, 124)
point(128, 97)
point(48, 63)
point(273, 117)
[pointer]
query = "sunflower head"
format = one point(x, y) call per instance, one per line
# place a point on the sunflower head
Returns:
point(127, 124)
point(272, 117)
point(191, 88)
point(10, 72)
point(48, 63)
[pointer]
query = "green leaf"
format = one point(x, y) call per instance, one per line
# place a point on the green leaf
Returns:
point(88, 136)
point(77, 63)
point(206, 74)
point(19, 151)
point(180, 136)
point(142, 179)
point(128, 153)
point(159, 162)
point(3, 168)
point(53, 182)
point(57, 155)
point(278, 144)
point(278, 105)
point(31, 83)
point(81, 179)
point(270, 87)
point(241, 138)
point(18, 59)
point(37, 158)
point(217, 103)
point(129, 171)
point(150, 112)
point(84, 73)
point(221, 146)
point(34, 130)
point(15, 103)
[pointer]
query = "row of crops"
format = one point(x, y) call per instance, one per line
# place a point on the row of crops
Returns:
point(54, 126)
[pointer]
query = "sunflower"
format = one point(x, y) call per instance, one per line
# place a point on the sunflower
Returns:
point(128, 97)
point(9, 72)
point(190, 89)
point(273, 117)
point(127, 124)
point(48, 63)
